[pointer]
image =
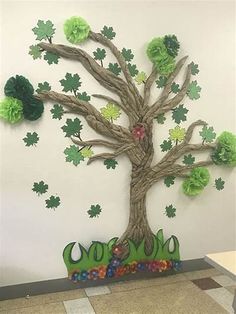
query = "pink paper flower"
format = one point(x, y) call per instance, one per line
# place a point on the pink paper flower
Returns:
point(138, 132)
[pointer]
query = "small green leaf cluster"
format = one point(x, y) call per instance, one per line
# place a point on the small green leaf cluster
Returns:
point(94, 211)
point(225, 151)
point(41, 188)
point(196, 182)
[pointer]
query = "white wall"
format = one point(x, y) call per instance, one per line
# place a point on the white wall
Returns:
point(33, 237)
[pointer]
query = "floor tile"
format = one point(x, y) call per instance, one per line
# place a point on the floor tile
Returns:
point(202, 273)
point(224, 281)
point(79, 306)
point(42, 299)
point(179, 298)
point(97, 291)
point(137, 284)
point(231, 289)
point(206, 283)
point(52, 308)
point(223, 297)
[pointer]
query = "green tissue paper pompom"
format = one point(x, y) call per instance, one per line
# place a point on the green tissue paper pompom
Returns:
point(199, 178)
point(191, 188)
point(225, 151)
point(33, 109)
point(11, 109)
point(172, 45)
point(19, 87)
point(76, 30)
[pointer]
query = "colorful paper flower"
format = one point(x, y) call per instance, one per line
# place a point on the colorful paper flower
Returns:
point(141, 266)
point(133, 267)
point(120, 271)
point(110, 271)
point(177, 265)
point(102, 270)
point(138, 132)
point(11, 109)
point(93, 274)
point(83, 275)
point(117, 250)
point(127, 269)
point(115, 262)
point(76, 30)
point(172, 45)
point(225, 151)
point(75, 277)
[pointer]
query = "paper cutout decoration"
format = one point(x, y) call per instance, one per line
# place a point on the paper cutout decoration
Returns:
point(169, 180)
point(76, 30)
point(71, 83)
point(208, 135)
point(114, 68)
point(72, 127)
point(110, 163)
point(111, 112)
point(44, 30)
point(35, 52)
point(53, 202)
point(225, 151)
point(160, 118)
point(219, 184)
point(43, 87)
point(100, 55)
point(141, 78)
point(177, 134)
point(31, 139)
point(94, 211)
point(170, 211)
point(127, 54)
point(51, 58)
point(179, 114)
point(166, 145)
point(198, 179)
point(73, 155)
point(40, 187)
point(161, 82)
point(57, 111)
point(194, 68)
point(189, 159)
point(11, 110)
point(108, 32)
point(193, 91)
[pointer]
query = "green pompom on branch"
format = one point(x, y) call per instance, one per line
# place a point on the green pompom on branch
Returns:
point(19, 87)
point(76, 30)
point(33, 109)
point(172, 45)
point(198, 179)
point(11, 109)
point(225, 151)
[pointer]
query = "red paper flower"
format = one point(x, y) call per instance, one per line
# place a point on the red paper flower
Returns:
point(117, 250)
point(102, 270)
point(133, 267)
point(120, 271)
point(138, 132)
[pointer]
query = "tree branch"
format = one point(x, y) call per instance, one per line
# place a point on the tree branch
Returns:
point(148, 84)
point(97, 142)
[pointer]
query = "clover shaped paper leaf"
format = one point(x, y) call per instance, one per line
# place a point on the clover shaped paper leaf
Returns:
point(99, 54)
point(132, 69)
point(194, 68)
point(44, 30)
point(127, 54)
point(72, 127)
point(43, 87)
point(73, 155)
point(189, 159)
point(207, 134)
point(31, 139)
point(166, 145)
point(114, 68)
point(177, 134)
point(94, 211)
point(179, 114)
point(141, 78)
point(40, 188)
point(161, 82)
point(219, 184)
point(86, 152)
point(71, 83)
point(170, 211)
point(57, 111)
point(53, 202)
point(160, 118)
point(35, 52)
point(193, 91)
point(84, 96)
point(51, 58)
point(169, 180)
point(108, 32)
point(110, 112)
point(110, 163)
point(175, 88)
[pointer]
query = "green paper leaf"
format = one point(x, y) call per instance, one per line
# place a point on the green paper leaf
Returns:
point(175, 88)
point(194, 68)
point(160, 118)
point(193, 91)
point(166, 145)
point(35, 52)
point(72, 127)
point(57, 111)
point(73, 155)
point(169, 180)
point(44, 30)
point(43, 87)
point(189, 159)
point(127, 54)
point(108, 32)
point(40, 188)
point(219, 184)
point(110, 163)
point(86, 152)
point(71, 83)
point(170, 211)
point(141, 78)
point(177, 134)
point(53, 202)
point(99, 54)
point(207, 134)
point(161, 82)
point(84, 96)
point(110, 112)
point(94, 211)
point(31, 139)
point(114, 68)
point(51, 58)
point(179, 114)
point(132, 69)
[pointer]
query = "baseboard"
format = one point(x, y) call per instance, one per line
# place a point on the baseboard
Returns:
point(63, 284)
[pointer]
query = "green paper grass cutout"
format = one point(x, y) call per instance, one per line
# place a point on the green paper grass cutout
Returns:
point(73, 155)
point(31, 139)
point(179, 114)
point(170, 180)
point(57, 111)
point(53, 202)
point(111, 112)
point(19, 87)
point(166, 145)
point(177, 134)
point(110, 163)
point(161, 82)
point(175, 88)
point(86, 152)
point(207, 133)
point(11, 110)
point(127, 54)
point(194, 68)
point(71, 83)
point(44, 30)
point(43, 87)
point(35, 52)
point(141, 78)
point(84, 96)
point(40, 188)
point(76, 30)
point(160, 118)
point(114, 68)
point(170, 211)
point(193, 91)
point(219, 184)
point(100, 55)
point(72, 127)
point(132, 69)
point(108, 32)
point(189, 159)
point(51, 58)
point(225, 151)
point(94, 211)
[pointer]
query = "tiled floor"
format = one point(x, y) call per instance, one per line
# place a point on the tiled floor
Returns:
point(199, 292)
